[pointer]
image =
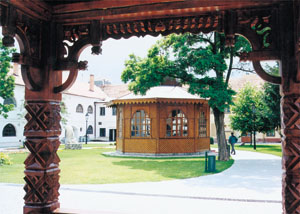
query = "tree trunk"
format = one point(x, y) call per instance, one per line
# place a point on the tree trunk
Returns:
point(221, 139)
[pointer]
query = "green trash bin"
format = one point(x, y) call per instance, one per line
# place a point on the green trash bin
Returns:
point(210, 162)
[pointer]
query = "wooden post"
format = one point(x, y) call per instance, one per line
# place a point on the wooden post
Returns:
point(290, 108)
point(43, 128)
point(42, 140)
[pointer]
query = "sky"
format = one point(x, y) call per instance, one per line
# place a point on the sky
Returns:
point(110, 64)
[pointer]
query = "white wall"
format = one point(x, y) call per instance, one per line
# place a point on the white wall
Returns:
point(74, 119)
point(16, 118)
point(107, 121)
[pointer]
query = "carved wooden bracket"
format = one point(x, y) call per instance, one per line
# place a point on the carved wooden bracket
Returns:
point(259, 26)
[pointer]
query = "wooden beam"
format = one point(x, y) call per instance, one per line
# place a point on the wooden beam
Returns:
point(161, 10)
point(104, 4)
point(35, 8)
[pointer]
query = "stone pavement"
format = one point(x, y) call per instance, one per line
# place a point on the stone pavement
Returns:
point(251, 185)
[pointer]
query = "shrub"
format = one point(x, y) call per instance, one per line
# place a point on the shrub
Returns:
point(211, 140)
point(4, 159)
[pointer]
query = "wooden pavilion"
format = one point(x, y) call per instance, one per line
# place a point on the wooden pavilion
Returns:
point(166, 120)
point(52, 34)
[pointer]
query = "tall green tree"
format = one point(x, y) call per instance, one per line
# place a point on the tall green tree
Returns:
point(248, 111)
point(271, 98)
point(201, 61)
point(7, 82)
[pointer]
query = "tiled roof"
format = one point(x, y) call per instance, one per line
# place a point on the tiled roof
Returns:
point(116, 91)
point(237, 83)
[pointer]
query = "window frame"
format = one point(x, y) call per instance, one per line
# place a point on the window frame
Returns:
point(10, 100)
point(202, 123)
point(81, 111)
point(8, 126)
point(90, 109)
point(102, 111)
point(180, 120)
point(114, 111)
point(101, 129)
point(88, 130)
point(120, 122)
point(142, 124)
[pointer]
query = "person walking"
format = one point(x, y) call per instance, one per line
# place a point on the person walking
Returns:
point(232, 140)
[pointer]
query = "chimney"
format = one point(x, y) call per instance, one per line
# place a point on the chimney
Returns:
point(16, 69)
point(92, 83)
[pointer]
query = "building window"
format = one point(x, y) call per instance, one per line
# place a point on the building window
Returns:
point(202, 125)
point(120, 122)
point(102, 132)
point(90, 130)
point(114, 111)
point(79, 108)
point(10, 100)
point(102, 111)
point(140, 124)
point(90, 110)
point(177, 124)
point(271, 133)
point(9, 131)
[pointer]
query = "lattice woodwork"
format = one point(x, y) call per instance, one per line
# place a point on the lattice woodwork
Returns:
point(291, 153)
point(42, 119)
point(41, 166)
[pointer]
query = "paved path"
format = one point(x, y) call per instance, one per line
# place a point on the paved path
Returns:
point(251, 185)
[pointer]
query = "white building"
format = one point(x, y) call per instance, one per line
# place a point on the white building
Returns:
point(80, 99)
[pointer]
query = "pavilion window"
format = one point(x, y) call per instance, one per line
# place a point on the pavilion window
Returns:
point(120, 122)
point(79, 108)
point(177, 124)
point(202, 124)
point(9, 131)
point(140, 124)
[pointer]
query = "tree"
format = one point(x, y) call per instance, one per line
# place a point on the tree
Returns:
point(248, 111)
point(7, 82)
point(201, 61)
point(271, 98)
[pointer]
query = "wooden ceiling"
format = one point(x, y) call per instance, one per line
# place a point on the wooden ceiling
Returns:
point(80, 11)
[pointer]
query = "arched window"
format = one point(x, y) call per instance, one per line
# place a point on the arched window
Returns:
point(9, 131)
point(79, 108)
point(10, 100)
point(202, 124)
point(90, 110)
point(140, 124)
point(90, 130)
point(177, 124)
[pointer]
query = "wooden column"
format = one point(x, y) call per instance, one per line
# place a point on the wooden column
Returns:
point(42, 140)
point(290, 107)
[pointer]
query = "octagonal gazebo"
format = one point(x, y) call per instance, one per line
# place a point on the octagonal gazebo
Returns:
point(167, 120)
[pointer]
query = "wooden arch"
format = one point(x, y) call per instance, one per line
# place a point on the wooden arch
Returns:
point(52, 35)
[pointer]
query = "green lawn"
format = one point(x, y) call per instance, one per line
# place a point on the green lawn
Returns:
point(89, 166)
point(268, 149)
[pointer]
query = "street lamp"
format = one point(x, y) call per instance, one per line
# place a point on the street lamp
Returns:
point(86, 127)
point(253, 118)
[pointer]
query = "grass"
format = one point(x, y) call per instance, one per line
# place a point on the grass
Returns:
point(274, 149)
point(89, 166)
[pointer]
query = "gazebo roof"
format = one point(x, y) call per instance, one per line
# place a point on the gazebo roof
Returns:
point(160, 94)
